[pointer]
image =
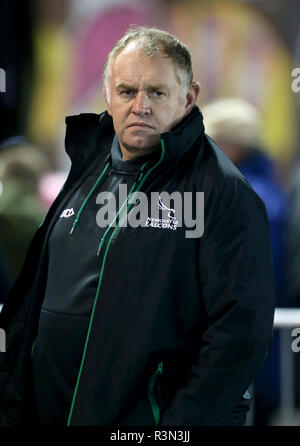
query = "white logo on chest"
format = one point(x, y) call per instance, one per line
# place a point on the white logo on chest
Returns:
point(163, 223)
point(67, 213)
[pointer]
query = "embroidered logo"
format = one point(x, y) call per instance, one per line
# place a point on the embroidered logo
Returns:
point(67, 213)
point(163, 223)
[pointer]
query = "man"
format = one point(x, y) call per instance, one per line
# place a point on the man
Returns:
point(148, 324)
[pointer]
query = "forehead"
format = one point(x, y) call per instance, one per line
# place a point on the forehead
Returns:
point(133, 65)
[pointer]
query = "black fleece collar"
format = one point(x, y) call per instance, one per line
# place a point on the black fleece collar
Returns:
point(88, 135)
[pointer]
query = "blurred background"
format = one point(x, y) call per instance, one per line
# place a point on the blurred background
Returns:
point(245, 53)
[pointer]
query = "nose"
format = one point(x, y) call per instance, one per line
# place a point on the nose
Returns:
point(141, 103)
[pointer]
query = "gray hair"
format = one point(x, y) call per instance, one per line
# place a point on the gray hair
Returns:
point(153, 41)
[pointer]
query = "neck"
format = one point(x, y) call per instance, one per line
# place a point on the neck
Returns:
point(130, 154)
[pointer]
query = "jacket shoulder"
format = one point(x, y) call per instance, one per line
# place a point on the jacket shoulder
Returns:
point(86, 133)
point(221, 180)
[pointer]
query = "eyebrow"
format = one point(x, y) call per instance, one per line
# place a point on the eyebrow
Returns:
point(125, 86)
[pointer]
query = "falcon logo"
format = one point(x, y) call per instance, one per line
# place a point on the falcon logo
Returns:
point(163, 223)
point(161, 206)
point(67, 213)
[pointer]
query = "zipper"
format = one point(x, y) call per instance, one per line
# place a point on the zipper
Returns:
point(138, 184)
point(153, 402)
point(132, 190)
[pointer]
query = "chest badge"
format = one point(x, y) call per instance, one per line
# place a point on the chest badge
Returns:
point(66, 213)
point(169, 222)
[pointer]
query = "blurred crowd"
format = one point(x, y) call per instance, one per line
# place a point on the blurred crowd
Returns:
point(236, 127)
point(30, 178)
point(27, 189)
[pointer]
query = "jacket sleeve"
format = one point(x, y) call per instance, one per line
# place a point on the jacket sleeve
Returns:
point(237, 288)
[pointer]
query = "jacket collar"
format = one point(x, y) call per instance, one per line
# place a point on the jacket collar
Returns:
point(90, 135)
point(183, 136)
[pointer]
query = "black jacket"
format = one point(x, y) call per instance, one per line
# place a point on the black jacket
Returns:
point(180, 326)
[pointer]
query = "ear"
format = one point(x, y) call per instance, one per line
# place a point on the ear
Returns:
point(107, 102)
point(191, 96)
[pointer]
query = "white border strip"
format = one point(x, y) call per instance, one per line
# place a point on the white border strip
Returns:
point(287, 317)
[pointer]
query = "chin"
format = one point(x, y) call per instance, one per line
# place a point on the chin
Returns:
point(142, 144)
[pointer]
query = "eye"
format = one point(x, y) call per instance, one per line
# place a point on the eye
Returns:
point(127, 93)
point(157, 93)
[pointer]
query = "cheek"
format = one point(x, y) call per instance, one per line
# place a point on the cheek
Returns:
point(168, 114)
point(119, 117)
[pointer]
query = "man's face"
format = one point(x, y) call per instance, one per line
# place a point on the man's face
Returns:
point(146, 99)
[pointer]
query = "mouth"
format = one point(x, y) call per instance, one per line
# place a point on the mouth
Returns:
point(140, 124)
